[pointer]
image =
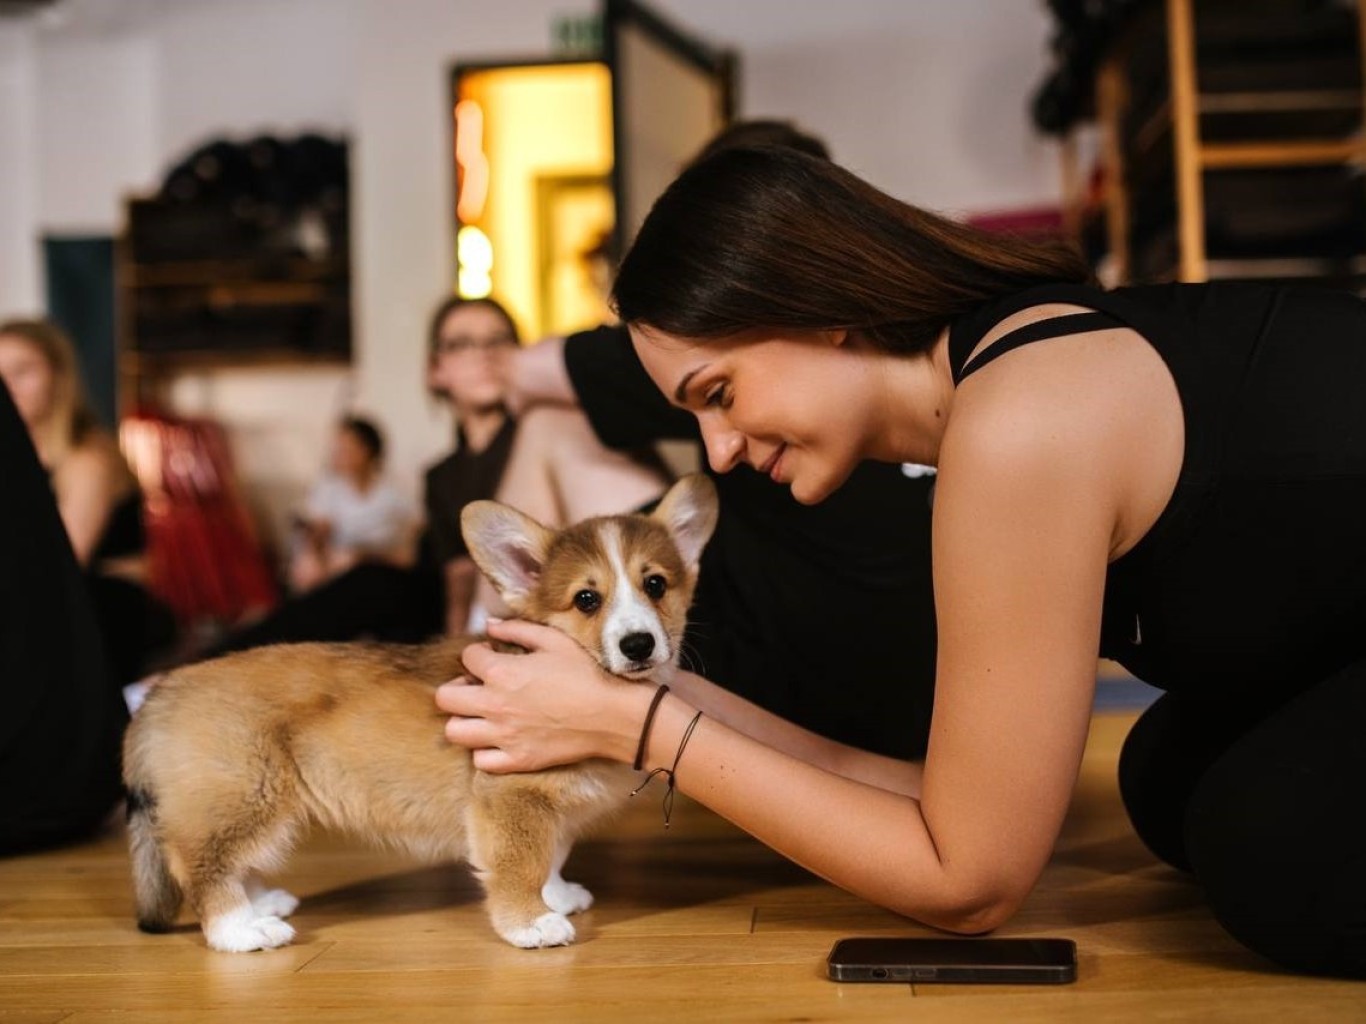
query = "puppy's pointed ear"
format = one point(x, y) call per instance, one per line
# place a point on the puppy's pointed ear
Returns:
point(689, 513)
point(510, 548)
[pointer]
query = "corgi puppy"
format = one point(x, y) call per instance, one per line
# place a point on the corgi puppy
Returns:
point(228, 761)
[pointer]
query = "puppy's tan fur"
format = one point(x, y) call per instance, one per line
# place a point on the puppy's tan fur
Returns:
point(230, 760)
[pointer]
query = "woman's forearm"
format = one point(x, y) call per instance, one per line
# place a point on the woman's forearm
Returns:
point(863, 838)
point(720, 704)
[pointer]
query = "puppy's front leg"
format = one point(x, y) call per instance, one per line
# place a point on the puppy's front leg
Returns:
point(513, 845)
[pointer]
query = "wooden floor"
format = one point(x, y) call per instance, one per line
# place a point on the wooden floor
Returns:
point(695, 924)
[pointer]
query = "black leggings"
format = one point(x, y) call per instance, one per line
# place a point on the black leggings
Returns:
point(1268, 811)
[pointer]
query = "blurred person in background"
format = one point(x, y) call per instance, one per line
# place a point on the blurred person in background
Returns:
point(96, 493)
point(353, 514)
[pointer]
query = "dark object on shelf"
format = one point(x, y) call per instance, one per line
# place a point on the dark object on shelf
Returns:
point(1246, 47)
point(1083, 32)
point(1231, 144)
point(243, 256)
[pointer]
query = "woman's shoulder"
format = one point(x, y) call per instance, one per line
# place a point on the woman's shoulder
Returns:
point(1036, 375)
point(95, 461)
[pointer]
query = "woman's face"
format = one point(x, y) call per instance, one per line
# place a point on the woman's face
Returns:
point(28, 375)
point(789, 404)
point(472, 360)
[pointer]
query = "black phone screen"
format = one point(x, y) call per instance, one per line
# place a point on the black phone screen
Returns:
point(1015, 961)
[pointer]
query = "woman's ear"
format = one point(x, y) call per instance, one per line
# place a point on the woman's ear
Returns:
point(837, 337)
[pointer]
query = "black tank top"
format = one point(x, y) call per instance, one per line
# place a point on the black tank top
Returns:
point(1253, 579)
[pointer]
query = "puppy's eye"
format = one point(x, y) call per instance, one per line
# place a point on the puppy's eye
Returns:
point(588, 601)
point(655, 586)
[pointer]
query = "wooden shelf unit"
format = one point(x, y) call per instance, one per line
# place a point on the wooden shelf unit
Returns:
point(267, 309)
point(1172, 136)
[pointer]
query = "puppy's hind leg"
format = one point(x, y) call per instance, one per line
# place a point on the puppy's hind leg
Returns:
point(559, 894)
point(235, 911)
point(513, 844)
point(269, 902)
point(232, 924)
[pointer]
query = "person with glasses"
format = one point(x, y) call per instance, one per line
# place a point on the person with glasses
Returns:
point(470, 352)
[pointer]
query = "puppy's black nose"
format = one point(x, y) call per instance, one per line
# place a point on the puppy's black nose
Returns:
point(637, 646)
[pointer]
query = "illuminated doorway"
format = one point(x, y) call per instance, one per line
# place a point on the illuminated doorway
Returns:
point(557, 161)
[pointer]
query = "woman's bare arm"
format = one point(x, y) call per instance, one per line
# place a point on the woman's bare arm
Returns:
point(539, 376)
point(889, 773)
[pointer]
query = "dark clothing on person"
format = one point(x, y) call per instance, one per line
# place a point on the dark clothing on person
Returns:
point(137, 627)
point(460, 478)
point(124, 533)
point(1247, 602)
point(386, 603)
point(822, 614)
point(63, 721)
point(135, 624)
point(1252, 583)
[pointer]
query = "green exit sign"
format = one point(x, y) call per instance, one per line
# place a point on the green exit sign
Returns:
point(577, 35)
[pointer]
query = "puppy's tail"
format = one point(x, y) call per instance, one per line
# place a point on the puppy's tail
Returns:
point(156, 893)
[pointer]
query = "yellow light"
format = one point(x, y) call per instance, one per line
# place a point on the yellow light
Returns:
point(474, 260)
point(469, 154)
point(474, 285)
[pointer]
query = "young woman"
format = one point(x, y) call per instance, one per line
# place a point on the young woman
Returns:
point(1174, 477)
point(472, 351)
point(470, 346)
point(97, 495)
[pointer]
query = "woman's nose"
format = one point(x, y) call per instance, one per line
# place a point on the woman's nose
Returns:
point(724, 445)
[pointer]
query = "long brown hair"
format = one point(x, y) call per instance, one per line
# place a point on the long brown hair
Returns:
point(774, 238)
point(70, 422)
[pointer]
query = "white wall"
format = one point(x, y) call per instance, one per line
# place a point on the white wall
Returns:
point(97, 105)
point(253, 66)
point(925, 98)
point(21, 292)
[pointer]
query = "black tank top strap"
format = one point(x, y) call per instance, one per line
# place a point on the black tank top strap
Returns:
point(1053, 327)
point(967, 331)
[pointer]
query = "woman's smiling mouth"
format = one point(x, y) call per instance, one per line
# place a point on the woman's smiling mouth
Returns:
point(770, 464)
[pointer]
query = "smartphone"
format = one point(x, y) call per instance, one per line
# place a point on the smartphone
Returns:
point(974, 961)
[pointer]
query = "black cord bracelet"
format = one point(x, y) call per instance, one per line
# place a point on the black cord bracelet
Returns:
point(639, 762)
point(671, 773)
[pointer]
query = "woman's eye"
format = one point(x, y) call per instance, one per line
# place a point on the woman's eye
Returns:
point(588, 601)
point(718, 397)
point(655, 586)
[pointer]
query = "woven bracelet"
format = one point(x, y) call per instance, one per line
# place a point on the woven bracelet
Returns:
point(639, 762)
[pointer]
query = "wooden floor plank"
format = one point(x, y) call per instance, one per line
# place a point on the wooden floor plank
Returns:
point(695, 923)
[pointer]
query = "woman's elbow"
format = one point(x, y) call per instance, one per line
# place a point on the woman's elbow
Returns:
point(975, 911)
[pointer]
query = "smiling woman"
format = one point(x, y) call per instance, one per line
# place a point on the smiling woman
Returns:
point(1171, 477)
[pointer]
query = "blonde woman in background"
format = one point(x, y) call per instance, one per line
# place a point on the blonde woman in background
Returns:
point(97, 495)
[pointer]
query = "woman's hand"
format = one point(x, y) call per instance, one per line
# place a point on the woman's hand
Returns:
point(553, 705)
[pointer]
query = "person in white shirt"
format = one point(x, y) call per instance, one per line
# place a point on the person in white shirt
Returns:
point(353, 514)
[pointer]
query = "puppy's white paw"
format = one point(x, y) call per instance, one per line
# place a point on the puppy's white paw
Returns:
point(547, 930)
point(566, 897)
point(274, 903)
point(235, 933)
